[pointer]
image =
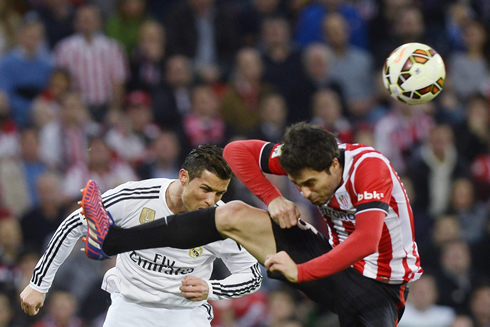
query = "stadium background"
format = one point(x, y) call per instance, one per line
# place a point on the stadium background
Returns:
point(183, 73)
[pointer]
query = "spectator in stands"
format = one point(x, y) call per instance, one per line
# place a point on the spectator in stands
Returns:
point(63, 142)
point(147, 59)
point(98, 64)
point(421, 309)
point(240, 106)
point(131, 135)
point(6, 311)
point(352, 67)
point(39, 223)
point(480, 305)
point(163, 157)
point(474, 132)
point(9, 132)
point(25, 264)
point(125, 23)
point(57, 16)
point(456, 15)
point(462, 321)
point(456, 277)
point(282, 307)
point(203, 31)
point(204, 124)
point(245, 311)
point(282, 62)
point(25, 70)
point(172, 99)
point(317, 63)
point(309, 26)
point(46, 106)
point(327, 112)
point(10, 21)
point(481, 253)
point(399, 22)
point(102, 166)
point(30, 163)
point(20, 173)
point(471, 213)
point(252, 17)
point(400, 131)
point(469, 69)
point(445, 229)
point(434, 168)
point(273, 118)
point(11, 245)
point(61, 311)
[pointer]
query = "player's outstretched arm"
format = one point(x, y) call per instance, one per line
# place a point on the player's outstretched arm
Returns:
point(31, 300)
point(59, 247)
point(249, 160)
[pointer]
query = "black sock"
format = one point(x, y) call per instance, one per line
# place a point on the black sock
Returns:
point(184, 231)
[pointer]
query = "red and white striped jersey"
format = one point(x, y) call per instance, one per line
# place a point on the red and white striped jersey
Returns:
point(95, 67)
point(367, 185)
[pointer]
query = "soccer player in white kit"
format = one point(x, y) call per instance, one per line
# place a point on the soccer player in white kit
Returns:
point(163, 286)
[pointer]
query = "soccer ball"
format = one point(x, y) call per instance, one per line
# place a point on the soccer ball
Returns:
point(414, 73)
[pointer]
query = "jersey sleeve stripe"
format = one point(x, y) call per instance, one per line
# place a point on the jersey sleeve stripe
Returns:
point(234, 290)
point(373, 205)
point(264, 157)
point(138, 191)
point(108, 204)
point(54, 246)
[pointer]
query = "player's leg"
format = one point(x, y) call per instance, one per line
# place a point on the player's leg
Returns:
point(363, 301)
point(249, 226)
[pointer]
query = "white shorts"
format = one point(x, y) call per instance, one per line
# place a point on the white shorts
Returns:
point(122, 313)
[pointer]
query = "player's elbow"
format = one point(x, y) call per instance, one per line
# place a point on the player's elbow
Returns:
point(370, 245)
point(370, 248)
point(229, 150)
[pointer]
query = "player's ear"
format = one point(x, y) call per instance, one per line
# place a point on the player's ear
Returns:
point(183, 177)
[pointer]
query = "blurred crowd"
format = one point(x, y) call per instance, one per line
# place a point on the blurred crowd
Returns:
point(118, 90)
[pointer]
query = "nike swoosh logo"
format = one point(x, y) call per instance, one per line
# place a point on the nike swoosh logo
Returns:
point(399, 57)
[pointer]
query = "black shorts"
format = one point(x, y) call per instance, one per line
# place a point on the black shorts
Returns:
point(356, 299)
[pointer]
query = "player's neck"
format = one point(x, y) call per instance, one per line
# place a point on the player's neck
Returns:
point(173, 196)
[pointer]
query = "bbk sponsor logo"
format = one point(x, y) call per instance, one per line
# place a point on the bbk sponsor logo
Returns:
point(370, 196)
point(334, 214)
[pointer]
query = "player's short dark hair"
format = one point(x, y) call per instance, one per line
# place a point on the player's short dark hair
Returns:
point(207, 157)
point(308, 146)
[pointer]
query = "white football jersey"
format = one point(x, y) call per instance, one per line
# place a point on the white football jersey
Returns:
point(152, 277)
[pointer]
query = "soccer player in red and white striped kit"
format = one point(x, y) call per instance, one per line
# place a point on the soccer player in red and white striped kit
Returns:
point(360, 271)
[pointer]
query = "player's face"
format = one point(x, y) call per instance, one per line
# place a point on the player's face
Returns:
point(318, 186)
point(202, 192)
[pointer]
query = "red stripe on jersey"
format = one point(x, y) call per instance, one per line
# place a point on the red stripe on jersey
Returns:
point(385, 255)
point(401, 303)
point(359, 266)
point(334, 237)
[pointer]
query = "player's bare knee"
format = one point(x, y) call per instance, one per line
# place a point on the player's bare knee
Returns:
point(229, 216)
